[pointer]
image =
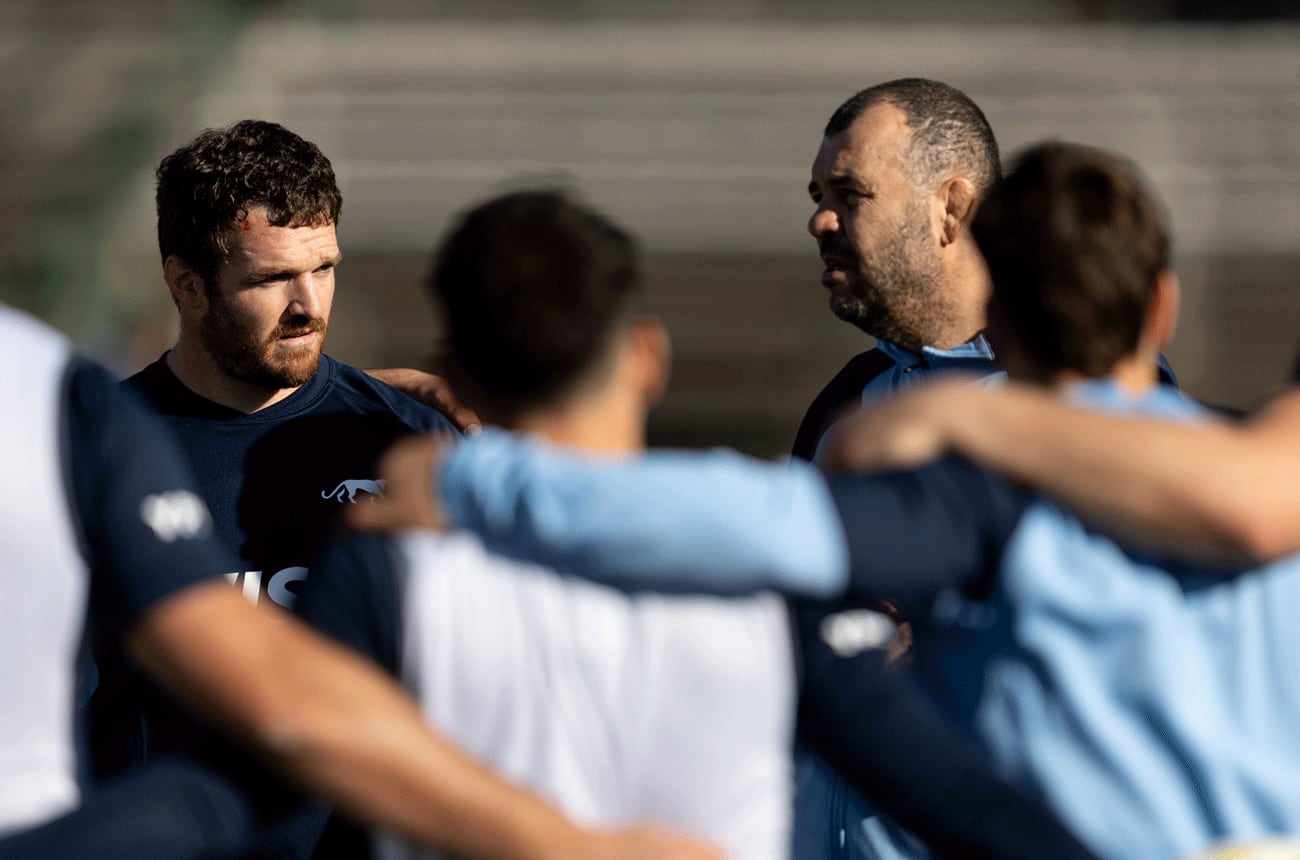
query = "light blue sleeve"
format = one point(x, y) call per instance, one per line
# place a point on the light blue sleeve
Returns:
point(711, 521)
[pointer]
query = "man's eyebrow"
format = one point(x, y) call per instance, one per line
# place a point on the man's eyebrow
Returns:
point(848, 181)
point(841, 182)
point(260, 275)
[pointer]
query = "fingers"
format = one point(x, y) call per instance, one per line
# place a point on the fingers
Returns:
point(441, 397)
point(466, 420)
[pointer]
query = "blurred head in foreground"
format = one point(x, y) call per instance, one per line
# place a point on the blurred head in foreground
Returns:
point(1078, 253)
point(539, 295)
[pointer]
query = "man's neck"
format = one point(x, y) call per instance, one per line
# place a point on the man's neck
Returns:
point(1134, 374)
point(966, 281)
point(613, 424)
point(198, 372)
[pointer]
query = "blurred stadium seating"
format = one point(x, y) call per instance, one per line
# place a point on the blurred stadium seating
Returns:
point(692, 123)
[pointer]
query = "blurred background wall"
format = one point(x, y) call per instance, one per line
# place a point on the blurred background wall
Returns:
point(692, 123)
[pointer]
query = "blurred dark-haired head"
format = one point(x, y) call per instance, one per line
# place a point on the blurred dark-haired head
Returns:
point(533, 287)
point(1074, 242)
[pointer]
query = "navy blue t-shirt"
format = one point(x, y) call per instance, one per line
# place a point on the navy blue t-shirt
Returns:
point(275, 481)
point(144, 537)
point(118, 457)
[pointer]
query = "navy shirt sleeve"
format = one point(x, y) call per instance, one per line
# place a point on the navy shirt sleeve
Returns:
point(146, 532)
point(914, 534)
point(352, 597)
point(876, 727)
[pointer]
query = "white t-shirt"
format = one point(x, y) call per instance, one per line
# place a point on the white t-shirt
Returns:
point(620, 709)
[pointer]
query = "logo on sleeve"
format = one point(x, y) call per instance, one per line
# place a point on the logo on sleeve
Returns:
point(176, 515)
point(851, 632)
point(347, 491)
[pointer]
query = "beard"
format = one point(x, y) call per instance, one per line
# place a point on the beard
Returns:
point(234, 343)
point(896, 295)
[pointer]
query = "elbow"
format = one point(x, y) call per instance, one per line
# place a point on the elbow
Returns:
point(819, 570)
point(1249, 533)
point(1268, 538)
point(822, 582)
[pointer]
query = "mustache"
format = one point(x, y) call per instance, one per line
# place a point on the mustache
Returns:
point(298, 326)
point(830, 247)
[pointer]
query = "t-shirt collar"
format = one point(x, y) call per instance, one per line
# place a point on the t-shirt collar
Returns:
point(975, 351)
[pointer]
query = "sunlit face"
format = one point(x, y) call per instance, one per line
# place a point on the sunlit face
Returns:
point(874, 233)
point(269, 310)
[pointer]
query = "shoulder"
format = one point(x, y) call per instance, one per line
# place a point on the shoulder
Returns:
point(149, 530)
point(844, 390)
point(368, 395)
point(149, 377)
point(98, 403)
point(352, 596)
point(856, 373)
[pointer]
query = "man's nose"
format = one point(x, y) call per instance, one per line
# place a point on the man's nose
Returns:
point(305, 299)
point(823, 222)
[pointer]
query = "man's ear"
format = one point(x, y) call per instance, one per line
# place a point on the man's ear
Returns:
point(957, 197)
point(1162, 314)
point(187, 288)
point(654, 356)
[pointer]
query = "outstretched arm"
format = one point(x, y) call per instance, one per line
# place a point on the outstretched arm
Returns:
point(1216, 490)
point(698, 521)
point(335, 724)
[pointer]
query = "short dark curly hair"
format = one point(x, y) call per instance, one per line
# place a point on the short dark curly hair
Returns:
point(532, 287)
point(211, 183)
point(948, 128)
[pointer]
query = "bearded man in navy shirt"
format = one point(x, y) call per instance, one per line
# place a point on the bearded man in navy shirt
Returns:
point(280, 437)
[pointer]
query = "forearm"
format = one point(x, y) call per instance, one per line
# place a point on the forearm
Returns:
point(340, 728)
point(711, 521)
point(367, 747)
point(1213, 488)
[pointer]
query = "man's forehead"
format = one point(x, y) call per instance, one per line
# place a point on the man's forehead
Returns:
point(254, 237)
point(877, 137)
